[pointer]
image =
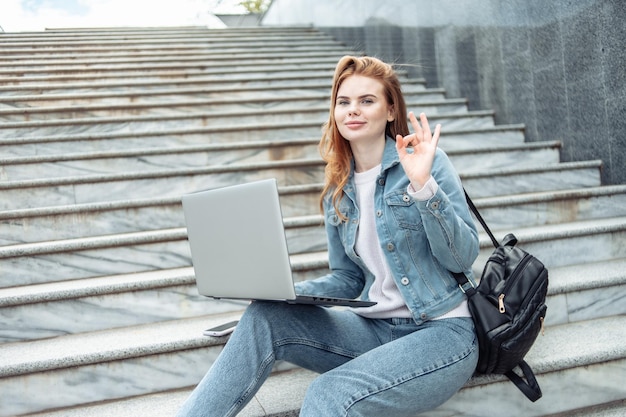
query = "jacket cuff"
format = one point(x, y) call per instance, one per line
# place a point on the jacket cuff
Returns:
point(426, 192)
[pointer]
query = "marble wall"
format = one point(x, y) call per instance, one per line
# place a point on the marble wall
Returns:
point(557, 67)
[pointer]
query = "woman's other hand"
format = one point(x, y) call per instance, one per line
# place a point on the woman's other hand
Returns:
point(418, 164)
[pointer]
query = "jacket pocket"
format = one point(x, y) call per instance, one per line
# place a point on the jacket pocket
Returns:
point(404, 210)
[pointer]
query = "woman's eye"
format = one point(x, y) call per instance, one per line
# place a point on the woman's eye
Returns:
point(343, 103)
point(367, 101)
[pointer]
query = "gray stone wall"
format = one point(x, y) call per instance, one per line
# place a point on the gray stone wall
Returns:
point(557, 66)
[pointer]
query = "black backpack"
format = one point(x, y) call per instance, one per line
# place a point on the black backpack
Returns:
point(508, 308)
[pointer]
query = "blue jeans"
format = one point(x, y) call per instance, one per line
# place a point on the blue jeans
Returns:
point(368, 367)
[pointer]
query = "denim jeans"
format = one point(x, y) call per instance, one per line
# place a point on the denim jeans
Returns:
point(368, 367)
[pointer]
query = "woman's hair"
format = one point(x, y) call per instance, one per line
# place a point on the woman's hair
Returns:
point(334, 148)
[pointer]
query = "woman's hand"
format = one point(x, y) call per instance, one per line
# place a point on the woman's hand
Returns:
point(418, 164)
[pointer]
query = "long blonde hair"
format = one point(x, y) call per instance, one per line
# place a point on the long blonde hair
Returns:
point(335, 149)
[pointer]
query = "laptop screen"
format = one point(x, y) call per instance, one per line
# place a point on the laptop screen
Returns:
point(237, 240)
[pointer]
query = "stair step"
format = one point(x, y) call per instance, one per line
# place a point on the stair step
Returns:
point(161, 183)
point(180, 66)
point(155, 74)
point(21, 56)
point(130, 86)
point(196, 119)
point(233, 46)
point(49, 48)
point(280, 396)
point(65, 85)
point(93, 219)
point(569, 358)
point(267, 102)
point(162, 32)
point(57, 105)
point(58, 144)
point(137, 160)
point(175, 182)
point(126, 253)
point(565, 244)
point(489, 156)
point(586, 291)
point(68, 307)
point(201, 87)
point(30, 58)
point(577, 364)
point(174, 64)
point(131, 42)
point(165, 33)
point(576, 293)
point(611, 409)
point(561, 176)
point(523, 210)
point(204, 93)
point(63, 62)
point(205, 86)
point(136, 358)
point(197, 115)
point(193, 89)
point(51, 310)
point(555, 245)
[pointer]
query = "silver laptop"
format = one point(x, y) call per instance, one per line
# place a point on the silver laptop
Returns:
point(238, 245)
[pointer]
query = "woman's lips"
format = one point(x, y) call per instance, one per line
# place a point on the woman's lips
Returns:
point(354, 124)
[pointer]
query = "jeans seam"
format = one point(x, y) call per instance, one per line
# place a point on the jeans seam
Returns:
point(251, 388)
point(317, 345)
point(424, 371)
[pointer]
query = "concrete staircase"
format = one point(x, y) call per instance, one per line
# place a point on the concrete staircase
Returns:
point(102, 131)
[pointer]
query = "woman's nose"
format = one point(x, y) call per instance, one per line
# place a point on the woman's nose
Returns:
point(353, 109)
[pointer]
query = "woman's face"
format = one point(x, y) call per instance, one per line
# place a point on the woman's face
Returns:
point(361, 110)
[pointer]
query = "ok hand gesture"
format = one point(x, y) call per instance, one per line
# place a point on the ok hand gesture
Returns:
point(418, 164)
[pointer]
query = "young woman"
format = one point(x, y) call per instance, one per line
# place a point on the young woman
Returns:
point(397, 225)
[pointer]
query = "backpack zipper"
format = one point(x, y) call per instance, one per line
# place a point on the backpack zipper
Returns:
point(501, 304)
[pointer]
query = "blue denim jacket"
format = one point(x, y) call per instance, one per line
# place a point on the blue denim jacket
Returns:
point(422, 240)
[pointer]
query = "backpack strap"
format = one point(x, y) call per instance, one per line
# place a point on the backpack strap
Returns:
point(482, 221)
point(465, 285)
point(530, 387)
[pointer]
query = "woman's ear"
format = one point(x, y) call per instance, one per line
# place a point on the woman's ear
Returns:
point(391, 114)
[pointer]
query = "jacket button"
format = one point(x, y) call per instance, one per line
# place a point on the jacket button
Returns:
point(423, 316)
point(435, 205)
point(406, 198)
point(390, 247)
point(381, 181)
point(379, 213)
point(404, 281)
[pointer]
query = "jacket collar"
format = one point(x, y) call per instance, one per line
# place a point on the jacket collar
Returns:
point(390, 155)
point(390, 159)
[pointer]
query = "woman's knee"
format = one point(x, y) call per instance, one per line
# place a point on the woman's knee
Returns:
point(322, 397)
point(263, 312)
point(274, 319)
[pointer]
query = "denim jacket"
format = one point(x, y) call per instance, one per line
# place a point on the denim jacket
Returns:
point(422, 240)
